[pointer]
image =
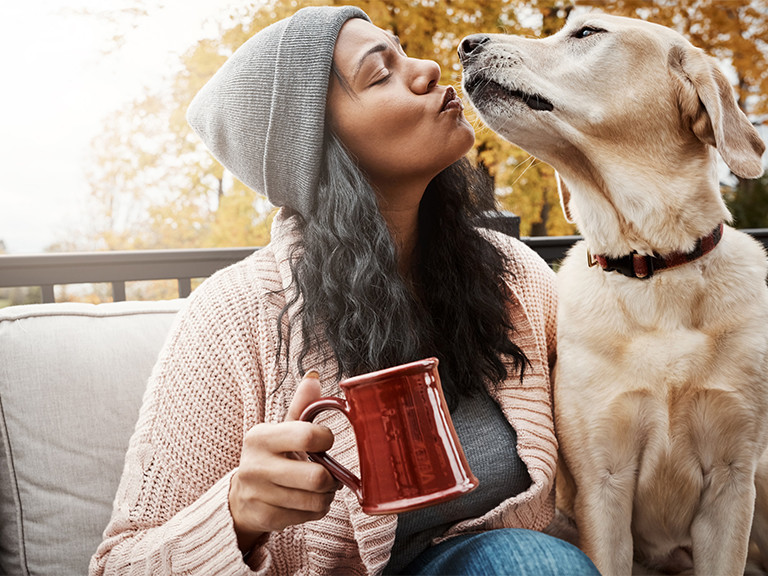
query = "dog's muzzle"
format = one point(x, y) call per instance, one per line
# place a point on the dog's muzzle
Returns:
point(478, 86)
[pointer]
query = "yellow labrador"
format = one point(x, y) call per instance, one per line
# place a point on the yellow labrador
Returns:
point(661, 394)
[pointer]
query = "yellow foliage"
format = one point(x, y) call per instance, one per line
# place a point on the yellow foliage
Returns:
point(238, 220)
point(155, 186)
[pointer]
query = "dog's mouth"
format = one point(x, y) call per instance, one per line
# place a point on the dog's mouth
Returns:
point(483, 88)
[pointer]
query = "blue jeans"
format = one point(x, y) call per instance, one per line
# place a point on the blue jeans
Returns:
point(503, 552)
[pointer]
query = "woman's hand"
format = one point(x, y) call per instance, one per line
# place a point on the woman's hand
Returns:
point(275, 486)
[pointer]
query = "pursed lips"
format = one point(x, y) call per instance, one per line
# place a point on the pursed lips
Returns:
point(451, 100)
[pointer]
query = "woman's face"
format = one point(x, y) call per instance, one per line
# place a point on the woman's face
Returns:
point(389, 111)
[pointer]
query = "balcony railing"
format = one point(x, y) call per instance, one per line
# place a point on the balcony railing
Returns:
point(117, 268)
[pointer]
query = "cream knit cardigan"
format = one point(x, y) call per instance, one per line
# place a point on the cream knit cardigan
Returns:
point(218, 375)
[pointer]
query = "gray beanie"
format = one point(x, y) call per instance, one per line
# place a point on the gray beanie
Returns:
point(262, 114)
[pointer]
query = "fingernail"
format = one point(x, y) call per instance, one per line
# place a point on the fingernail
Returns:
point(312, 374)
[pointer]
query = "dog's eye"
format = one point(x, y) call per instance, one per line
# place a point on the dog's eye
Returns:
point(586, 31)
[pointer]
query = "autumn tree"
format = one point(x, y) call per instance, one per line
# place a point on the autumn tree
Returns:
point(155, 185)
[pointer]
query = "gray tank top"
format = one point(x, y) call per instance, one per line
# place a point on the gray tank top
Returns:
point(490, 445)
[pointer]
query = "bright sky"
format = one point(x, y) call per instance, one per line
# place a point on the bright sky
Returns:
point(56, 88)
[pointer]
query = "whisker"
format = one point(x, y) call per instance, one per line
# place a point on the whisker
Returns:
point(528, 163)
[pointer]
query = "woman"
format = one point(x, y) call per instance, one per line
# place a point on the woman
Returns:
point(374, 261)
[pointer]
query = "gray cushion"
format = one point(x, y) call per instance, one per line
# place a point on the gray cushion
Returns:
point(72, 378)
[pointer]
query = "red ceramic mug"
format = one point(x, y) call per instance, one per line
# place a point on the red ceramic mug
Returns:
point(410, 456)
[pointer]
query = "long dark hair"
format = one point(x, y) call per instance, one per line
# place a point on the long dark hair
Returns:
point(348, 289)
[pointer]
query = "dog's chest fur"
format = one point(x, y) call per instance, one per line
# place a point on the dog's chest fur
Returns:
point(661, 385)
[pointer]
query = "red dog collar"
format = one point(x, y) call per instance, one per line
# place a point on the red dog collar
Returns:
point(643, 266)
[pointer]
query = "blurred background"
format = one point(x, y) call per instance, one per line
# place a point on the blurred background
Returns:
point(95, 153)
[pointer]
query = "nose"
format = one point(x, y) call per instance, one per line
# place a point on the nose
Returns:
point(426, 76)
point(471, 45)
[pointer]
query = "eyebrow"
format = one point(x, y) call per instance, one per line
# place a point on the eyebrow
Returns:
point(380, 47)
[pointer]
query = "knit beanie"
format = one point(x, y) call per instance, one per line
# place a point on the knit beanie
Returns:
point(262, 115)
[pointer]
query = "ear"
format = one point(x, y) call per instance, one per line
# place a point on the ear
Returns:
point(707, 103)
point(565, 198)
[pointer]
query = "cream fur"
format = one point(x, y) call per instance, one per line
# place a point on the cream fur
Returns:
point(661, 394)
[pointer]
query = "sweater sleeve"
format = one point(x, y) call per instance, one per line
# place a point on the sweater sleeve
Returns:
point(534, 282)
point(539, 289)
point(171, 512)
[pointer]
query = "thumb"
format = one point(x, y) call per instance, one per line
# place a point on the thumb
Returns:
point(307, 392)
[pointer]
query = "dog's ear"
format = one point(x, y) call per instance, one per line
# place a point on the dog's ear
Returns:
point(565, 198)
point(707, 103)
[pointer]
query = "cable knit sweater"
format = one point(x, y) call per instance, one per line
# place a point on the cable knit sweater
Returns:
point(218, 375)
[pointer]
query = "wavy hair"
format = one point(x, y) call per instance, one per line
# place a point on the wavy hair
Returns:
point(348, 289)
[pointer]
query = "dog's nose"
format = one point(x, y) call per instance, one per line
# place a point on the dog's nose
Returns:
point(472, 44)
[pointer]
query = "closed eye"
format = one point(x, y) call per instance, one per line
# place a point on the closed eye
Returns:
point(585, 31)
point(382, 77)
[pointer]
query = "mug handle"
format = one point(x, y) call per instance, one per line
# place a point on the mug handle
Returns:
point(338, 471)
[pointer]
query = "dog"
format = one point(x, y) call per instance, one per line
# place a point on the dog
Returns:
point(661, 381)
